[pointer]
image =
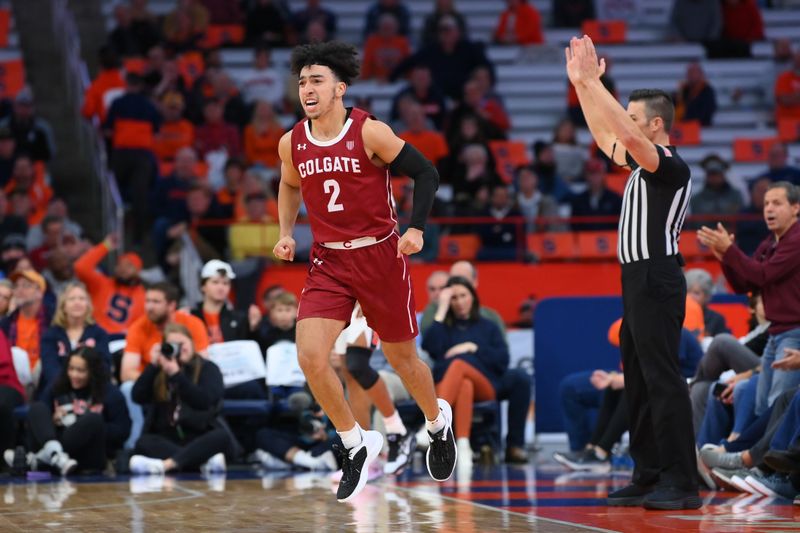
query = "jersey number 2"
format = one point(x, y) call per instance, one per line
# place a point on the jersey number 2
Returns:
point(332, 187)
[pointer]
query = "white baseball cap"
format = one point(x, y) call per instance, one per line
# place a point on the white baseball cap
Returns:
point(216, 267)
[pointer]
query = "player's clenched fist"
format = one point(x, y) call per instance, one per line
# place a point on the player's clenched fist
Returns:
point(284, 249)
point(410, 243)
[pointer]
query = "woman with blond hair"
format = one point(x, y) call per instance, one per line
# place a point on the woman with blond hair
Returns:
point(183, 393)
point(73, 327)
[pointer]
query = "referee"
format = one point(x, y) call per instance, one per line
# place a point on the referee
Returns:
point(653, 287)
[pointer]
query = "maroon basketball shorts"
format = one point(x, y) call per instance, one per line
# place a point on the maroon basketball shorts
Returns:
point(374, 276)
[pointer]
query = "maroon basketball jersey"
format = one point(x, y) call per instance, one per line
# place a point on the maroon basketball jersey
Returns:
point(346, 195)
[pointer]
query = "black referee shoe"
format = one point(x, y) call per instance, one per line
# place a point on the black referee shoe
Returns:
point(355, 465)
point(442, 453)
point(630, 496)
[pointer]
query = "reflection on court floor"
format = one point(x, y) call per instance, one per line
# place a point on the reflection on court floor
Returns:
point(500, 498)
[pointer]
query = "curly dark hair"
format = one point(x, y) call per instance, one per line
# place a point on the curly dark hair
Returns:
point(98, 374)
point(341, 58)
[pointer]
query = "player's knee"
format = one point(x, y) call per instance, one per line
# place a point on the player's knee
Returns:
point(357, 362)
point(312, 362)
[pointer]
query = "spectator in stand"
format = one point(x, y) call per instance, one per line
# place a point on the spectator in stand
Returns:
point(6, 293)
point(175, 132)
point(474, 171)
point(262, 135)
point(186, 25)
point(108, 84)
point(263, 82)
point(59, 271)
point(169, 199)
point(696, 98)
point(574, 111)
point(10, 224)
point(144, 338)
point(787, 91)
point(742, 25)
point(215, 133)
point(596, 201)
point(570, 157)
point(73, 328)
point(236, 111)
point(572, 13)
point(384, 50)
point(131, 124)
point(700, 286)
point(33, 134)
point(500, 239)
point(778, 167)
point(204, 225)
point(531, 201)
point(229, 197)
point(451, 59)
point(171, 80)
point(315, 33)
point(153, 73)
point(247, 236)
point(431, 143)
point(381, 7)
point(314, 12)
point(520, 23)
point(25, 326)
point(183, 392)
point(135, 31)
point(56, 208)
point(25, 178)
point(469, 356)
point(20, 204)
point(422, 90)
point(717, 197)
point(266, 24)
point(224, 323)
point(496, 122)
point(750, 233)
point(442, 8)
point(224, 12)
point(8, 149)
point(696, 21)
point(12, 250)
point(12, 395)
point(544, 163)
point(773, 271)
point(781, 61)
point(117, 300)
point(491, 103)
point(82, 421)
point(53, 232)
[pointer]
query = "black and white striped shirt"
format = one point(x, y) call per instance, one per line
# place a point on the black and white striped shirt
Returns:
point(653, 208)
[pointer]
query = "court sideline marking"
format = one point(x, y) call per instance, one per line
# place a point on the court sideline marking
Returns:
point(421, 494)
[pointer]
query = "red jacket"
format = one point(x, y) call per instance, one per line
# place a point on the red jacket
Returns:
point(8, 375)
point(742, 21)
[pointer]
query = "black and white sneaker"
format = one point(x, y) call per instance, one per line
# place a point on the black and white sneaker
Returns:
point(355, 465)
point(585, 460)
point(401, 450)
point(442, 453)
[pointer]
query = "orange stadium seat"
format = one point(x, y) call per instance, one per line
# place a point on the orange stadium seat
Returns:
point(597, 244)
point(686, 133)
point(5, 24)
point(691, 247)
point(737, 316)
point(457, 247)
point(615, 180)
point(789, 129)
point(605, 31)
point(508, 155)
point(221, 34)
point(12, 77)
point(552, 245)
point(752, 150)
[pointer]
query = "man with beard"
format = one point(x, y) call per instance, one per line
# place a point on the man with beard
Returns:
point(118, 300)
point(144, 339)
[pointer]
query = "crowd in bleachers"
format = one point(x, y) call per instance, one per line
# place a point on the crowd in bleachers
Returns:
point(193, 146)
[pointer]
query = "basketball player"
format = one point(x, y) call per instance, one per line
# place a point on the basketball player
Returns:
point(339, 158)
point(653, 287)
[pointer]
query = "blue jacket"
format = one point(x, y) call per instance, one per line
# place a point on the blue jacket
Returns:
point(491, 359)
point(689, 353)
point(55, 348)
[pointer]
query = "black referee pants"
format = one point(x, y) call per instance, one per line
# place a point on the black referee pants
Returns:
point(660, 413)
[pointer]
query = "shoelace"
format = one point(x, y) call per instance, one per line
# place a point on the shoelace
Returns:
point(438, 448)
point(347, 463)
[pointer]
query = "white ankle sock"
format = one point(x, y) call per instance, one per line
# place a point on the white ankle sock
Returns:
point(352, 437)
point(394, 424)
point(436, 425)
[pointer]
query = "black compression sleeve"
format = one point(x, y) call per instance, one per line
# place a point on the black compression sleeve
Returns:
point(410, 162)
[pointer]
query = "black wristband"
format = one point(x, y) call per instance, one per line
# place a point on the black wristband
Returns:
point(410, 162)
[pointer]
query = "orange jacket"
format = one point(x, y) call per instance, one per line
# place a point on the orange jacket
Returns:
point(527, 25)
point(108, 85)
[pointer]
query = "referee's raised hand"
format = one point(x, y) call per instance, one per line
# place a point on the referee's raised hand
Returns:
point(582, 62)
